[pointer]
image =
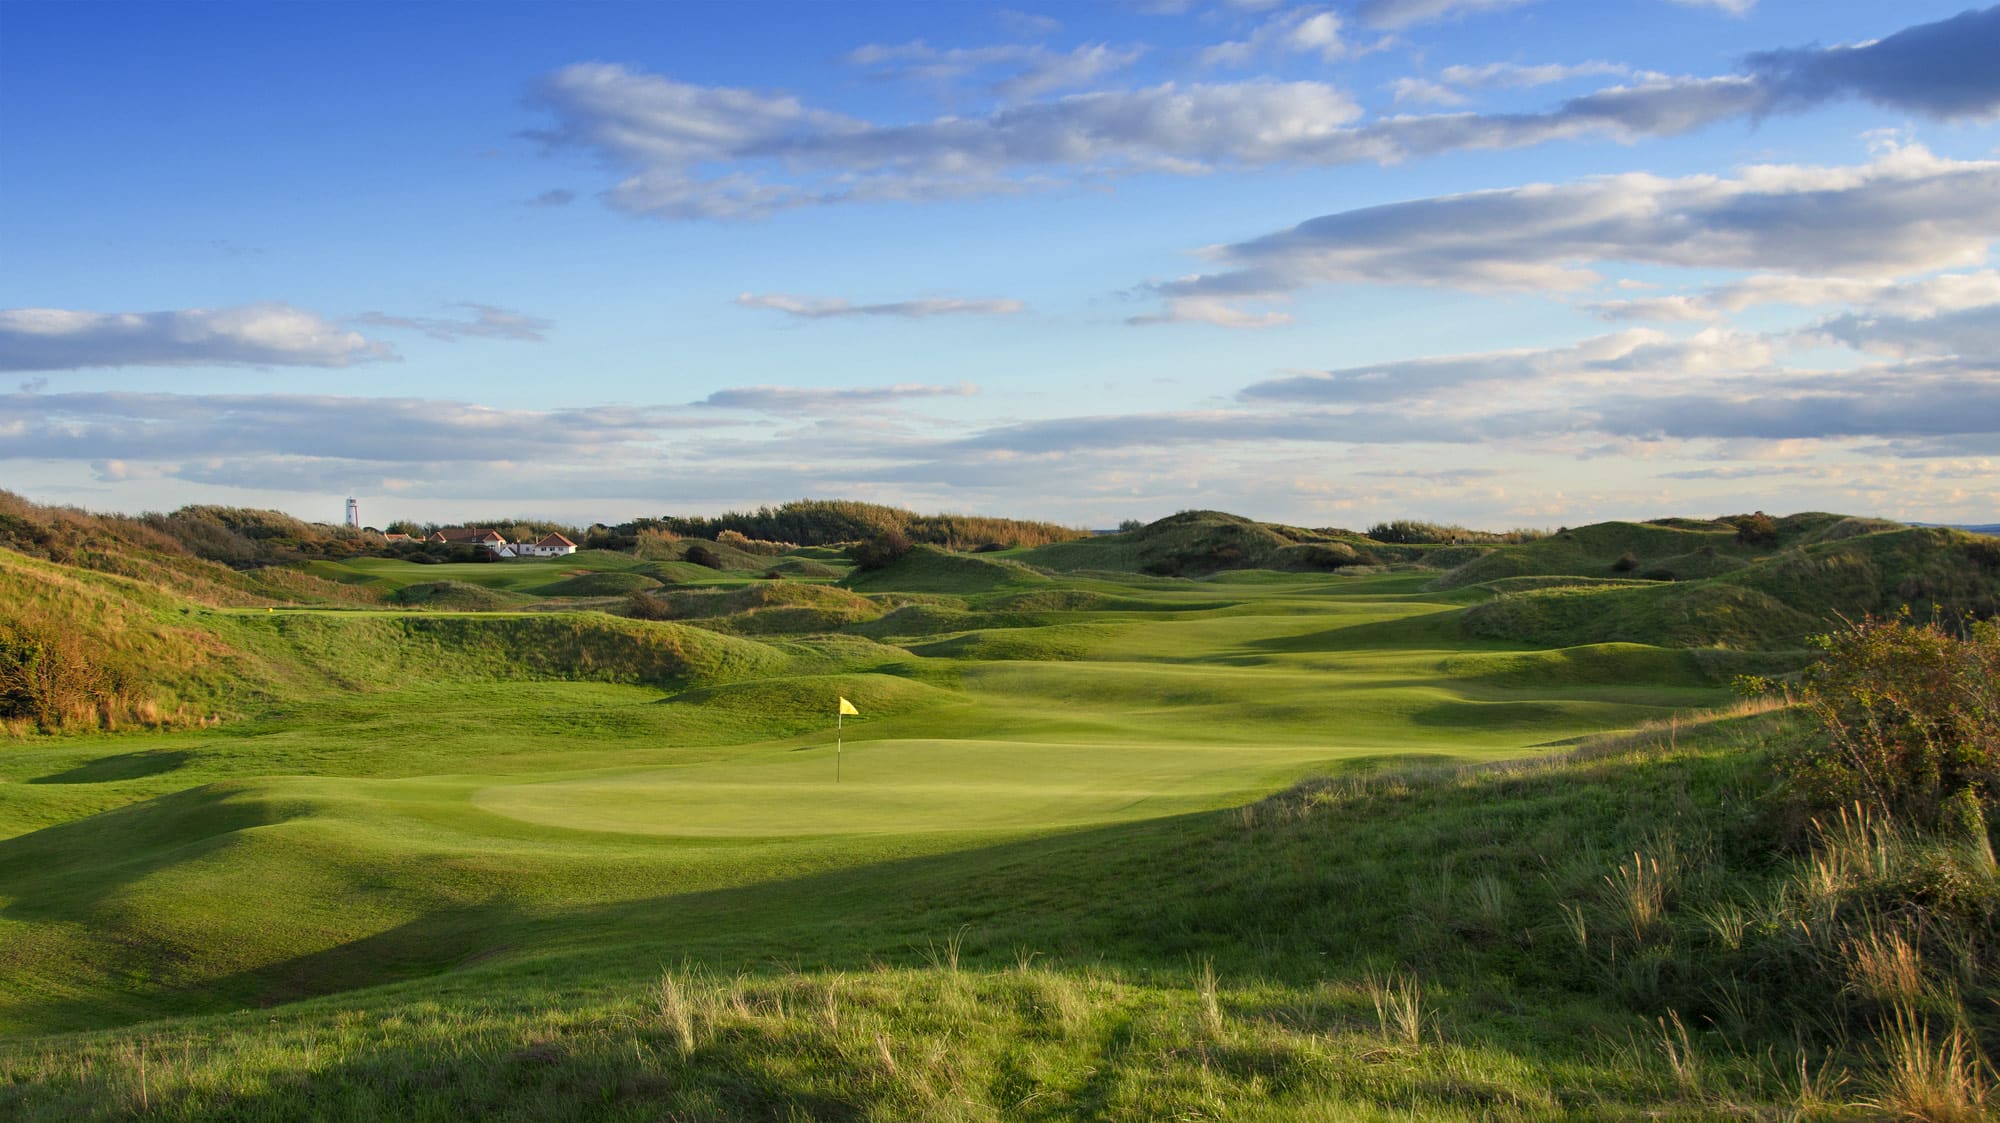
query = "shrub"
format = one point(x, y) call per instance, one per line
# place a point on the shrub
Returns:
point(1626, 563)
point(699, 554)
point(1412, 532)
point(1909, 717)
point(1984, 550)
point(47, 677)
point(1755, 529)
point(758, 546)
point(881, 551)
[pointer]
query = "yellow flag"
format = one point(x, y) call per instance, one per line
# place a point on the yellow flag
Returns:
point(847, 707)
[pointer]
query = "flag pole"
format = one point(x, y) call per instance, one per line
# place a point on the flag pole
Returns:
point(838, 718)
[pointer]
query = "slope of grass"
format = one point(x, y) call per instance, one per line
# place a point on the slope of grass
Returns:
point(600, 584)
point(927, 569)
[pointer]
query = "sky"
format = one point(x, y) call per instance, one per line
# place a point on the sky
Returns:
point(1492, 262)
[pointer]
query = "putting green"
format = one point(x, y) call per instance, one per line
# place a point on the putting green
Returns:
point(903, 786)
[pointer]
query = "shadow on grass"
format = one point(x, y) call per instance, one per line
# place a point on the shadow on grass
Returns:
point(124, 766)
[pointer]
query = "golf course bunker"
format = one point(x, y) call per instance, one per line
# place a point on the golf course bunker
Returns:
point(900, 787)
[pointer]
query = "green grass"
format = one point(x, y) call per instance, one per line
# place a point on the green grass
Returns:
point(436, 862)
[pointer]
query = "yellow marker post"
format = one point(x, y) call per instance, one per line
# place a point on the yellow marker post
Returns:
point(839, 716)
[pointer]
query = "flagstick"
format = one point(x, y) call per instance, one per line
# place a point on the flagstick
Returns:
point(838, 719)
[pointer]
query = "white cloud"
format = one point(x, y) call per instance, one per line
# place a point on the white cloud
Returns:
point(815, 400)
point(1422, 91)
point(1033, 69)
point(823, 308)
point(1972, 333)
point(784, 154)
point(1514, 76)
point(1918, 299)
point(1302, 32)
point(1944, 292)
point(1395, 15)
point(1205, 310)
point(1728, 7)
point(1906, 212)
point(1667, 309)
point(692, 151)
point(138, 427)
point(488, 322)
point(1028, 23)
point(268, 334)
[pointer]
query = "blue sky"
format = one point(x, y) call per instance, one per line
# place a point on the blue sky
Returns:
point(1502, 262)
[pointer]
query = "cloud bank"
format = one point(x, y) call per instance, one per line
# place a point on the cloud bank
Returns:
point(1906, 212)
point(691, 151)
point(263, 335)
point(826, 308)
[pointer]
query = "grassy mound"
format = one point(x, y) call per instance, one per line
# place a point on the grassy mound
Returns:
point(927, 569)
point(1774, 601)
point(456, 596)
point(1557, 581)
point(805, 567)
point(1052, 643)
point(1604, 664)
point(773, 607)
point(134, 549)
point(604, 584)
point(914, 620)
point(1593, 551)
point(140, 656)
point(1199, 543)
point(1704, 562)
point(587, 646)
point(721, 555)
point(1188, 544)
point(810, 698)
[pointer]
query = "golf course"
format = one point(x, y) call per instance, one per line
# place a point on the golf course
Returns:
point(1107, 836)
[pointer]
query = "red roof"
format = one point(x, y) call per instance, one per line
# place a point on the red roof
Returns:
point(467, 534)
point(556, 540)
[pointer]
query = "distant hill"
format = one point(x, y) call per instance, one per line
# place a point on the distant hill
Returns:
point(821, 522)
point(1733, 594)
point(1194, 543)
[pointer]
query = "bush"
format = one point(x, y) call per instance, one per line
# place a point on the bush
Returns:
point(47, 678)
point(758, 546)
point(1909, 718)
point(1626, 563)
point(881, 551)
point(1755, 529)
point(699, 554)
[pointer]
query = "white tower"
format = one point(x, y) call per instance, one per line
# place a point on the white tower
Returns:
point(353, 513)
